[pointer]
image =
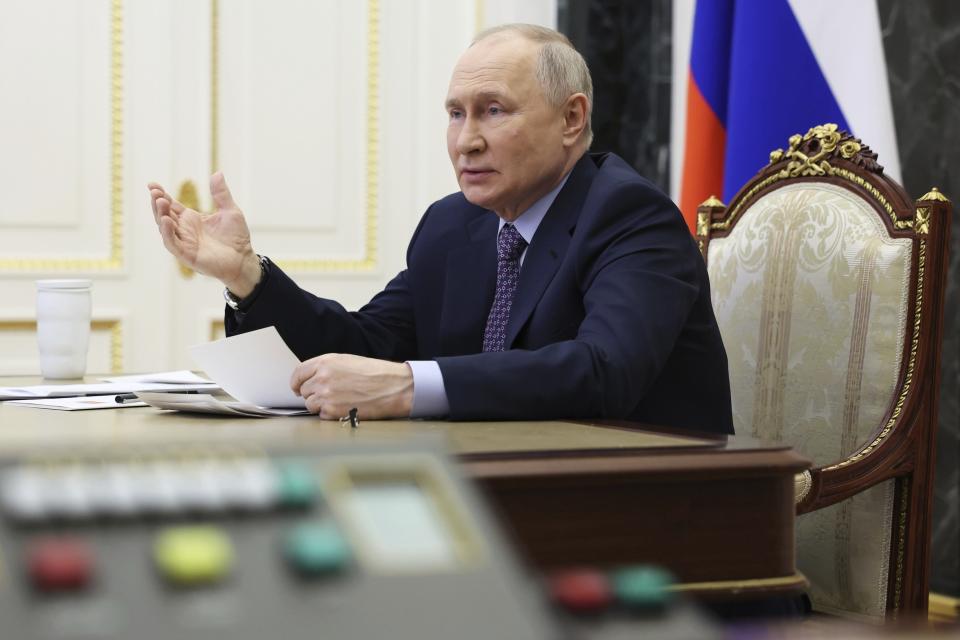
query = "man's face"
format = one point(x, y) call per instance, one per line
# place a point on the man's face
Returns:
point(505, 141)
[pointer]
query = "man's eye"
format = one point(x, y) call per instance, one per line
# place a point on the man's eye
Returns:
point(455, 114)
point(495, 111)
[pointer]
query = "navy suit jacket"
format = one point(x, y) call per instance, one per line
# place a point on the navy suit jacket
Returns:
point(611, 318)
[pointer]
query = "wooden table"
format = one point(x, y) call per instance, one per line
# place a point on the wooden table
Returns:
point(717, 511)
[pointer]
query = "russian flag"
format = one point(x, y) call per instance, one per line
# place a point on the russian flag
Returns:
point(763, 70)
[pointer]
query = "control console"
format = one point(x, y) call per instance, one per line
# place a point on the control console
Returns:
point(252, 541)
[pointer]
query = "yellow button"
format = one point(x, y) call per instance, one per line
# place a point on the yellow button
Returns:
point(193, 555)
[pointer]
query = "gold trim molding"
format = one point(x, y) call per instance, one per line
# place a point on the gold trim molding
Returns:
point(831, 170)
point(748, 584)
point(830, 143)
point(214, 86)
point(921, 220)
point(901, 544)
point(479, 16)
point(934, 194)
point(215, 327)
point(187, 194)
point(712, 201)
point(703, 223)
point(113, 326)
point(944, 608)
point(114, 260)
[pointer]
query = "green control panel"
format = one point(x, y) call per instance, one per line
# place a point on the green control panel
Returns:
point(249, 541)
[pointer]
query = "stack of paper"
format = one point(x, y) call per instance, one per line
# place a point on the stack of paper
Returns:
point(101, 395)
point(205, 403)
point(255, 368)
point(167, 381)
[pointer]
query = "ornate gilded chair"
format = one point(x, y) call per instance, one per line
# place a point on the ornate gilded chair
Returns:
point(828, 285)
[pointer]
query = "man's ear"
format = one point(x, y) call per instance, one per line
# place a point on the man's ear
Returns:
point(575, 114)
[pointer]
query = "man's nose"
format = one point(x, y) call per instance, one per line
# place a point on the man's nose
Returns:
point(469, 139)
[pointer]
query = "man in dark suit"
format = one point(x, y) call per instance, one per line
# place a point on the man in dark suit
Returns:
point(555, 284)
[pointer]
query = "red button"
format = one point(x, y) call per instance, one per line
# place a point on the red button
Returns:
point(59, 564)
point(582, 590)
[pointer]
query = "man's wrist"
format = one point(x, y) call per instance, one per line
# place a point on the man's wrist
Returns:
point(241, 303)
point(251, 273)
point(405, 399)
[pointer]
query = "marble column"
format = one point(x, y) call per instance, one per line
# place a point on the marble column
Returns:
point(627, 46)
point(922, 45)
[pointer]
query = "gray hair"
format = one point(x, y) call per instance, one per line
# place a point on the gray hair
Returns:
point(561, 70)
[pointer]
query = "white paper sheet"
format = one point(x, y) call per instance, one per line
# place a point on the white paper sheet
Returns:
point(82, 403)
point(205, 403)
point(182, 376)
point(96, 389)
point(255, 368)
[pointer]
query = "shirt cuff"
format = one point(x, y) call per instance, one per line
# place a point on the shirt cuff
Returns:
point(429, 394)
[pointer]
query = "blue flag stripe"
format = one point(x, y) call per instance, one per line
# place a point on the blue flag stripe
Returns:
point(776, 88)
point(710, 52)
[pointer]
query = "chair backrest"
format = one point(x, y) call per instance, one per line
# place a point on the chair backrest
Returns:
point(828, 285)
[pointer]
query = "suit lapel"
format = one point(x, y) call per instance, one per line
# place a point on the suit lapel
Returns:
point(549, 246)
point(470, 284)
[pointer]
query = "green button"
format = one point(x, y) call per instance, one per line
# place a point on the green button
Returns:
point(296, 485)
point(193, 554)
point(643, 586)
point(316, 548)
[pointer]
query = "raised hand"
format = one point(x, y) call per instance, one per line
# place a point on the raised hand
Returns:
point(217, 245)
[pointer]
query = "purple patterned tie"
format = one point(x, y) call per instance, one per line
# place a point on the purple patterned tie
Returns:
point(510, 244)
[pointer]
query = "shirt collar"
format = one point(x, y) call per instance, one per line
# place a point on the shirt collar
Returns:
point(529, 221)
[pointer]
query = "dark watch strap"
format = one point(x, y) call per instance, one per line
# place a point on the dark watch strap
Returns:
point(242, 304)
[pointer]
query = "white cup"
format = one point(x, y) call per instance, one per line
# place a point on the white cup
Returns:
point(63, 327)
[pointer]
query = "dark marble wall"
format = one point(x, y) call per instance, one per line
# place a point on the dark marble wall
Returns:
point(627, 45)
point(922, 46)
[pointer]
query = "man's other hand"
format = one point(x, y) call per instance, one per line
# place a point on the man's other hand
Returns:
point(217, 245)
point(334, 383)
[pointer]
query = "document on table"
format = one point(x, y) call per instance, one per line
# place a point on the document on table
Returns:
point(205, 403)
point(126, 384)
point(182, 376)
point(82, 403)
point(255, 368)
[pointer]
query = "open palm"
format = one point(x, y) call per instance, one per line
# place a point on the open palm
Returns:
point(218, 244)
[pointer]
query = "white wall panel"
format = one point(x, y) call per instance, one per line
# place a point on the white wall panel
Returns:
point(55, 129)
point(293, 129)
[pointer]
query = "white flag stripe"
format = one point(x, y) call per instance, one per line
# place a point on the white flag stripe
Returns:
point(846, 41)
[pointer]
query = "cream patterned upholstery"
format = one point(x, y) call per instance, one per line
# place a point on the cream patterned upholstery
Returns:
point(812, 298)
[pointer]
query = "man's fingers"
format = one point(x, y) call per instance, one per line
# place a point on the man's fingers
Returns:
point(164, 209)
point(222, 197)
point(168, 231)
point(153, 202)
point(176, 206)
point(327, 412)
point(313, 405)
point(300, 375)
